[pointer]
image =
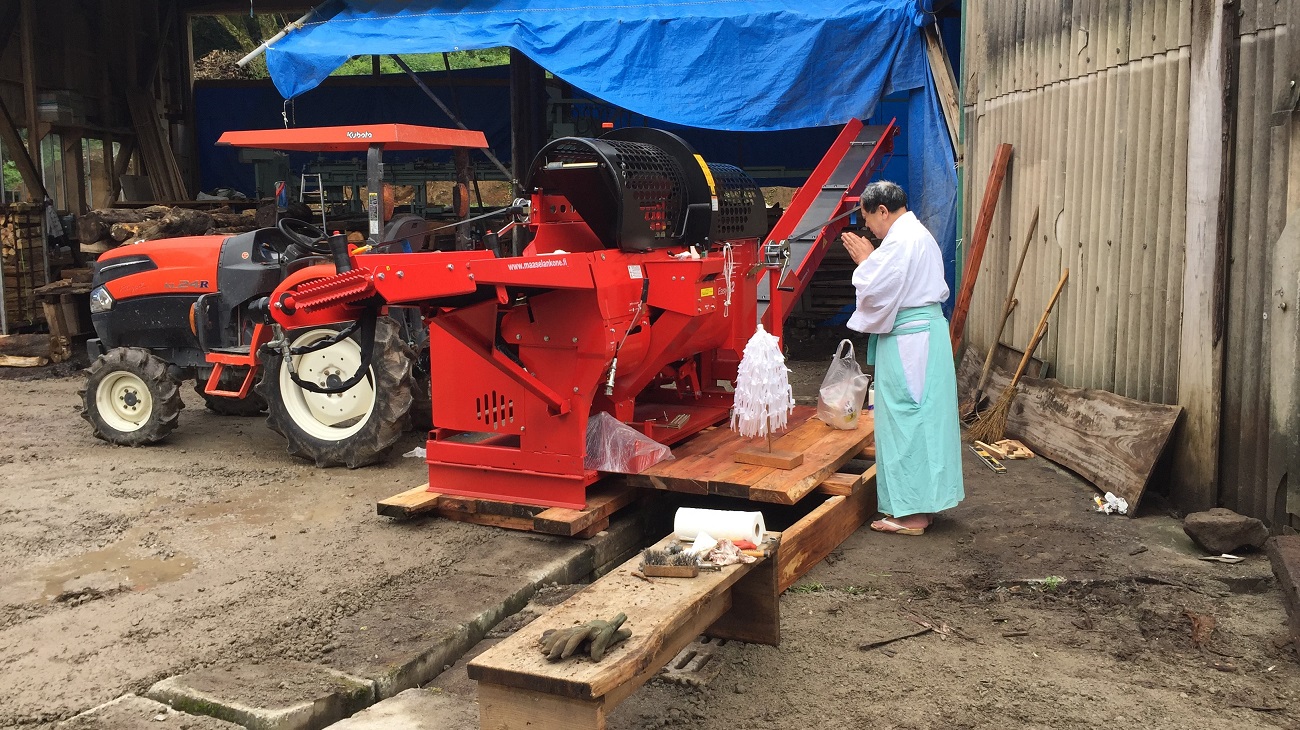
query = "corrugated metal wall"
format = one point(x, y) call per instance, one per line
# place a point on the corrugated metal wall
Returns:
point(1093, 94)
point(1259, 195)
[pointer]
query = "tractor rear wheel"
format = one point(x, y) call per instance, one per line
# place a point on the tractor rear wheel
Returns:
point(353, 428)
point(130, 398)
point(250, 405)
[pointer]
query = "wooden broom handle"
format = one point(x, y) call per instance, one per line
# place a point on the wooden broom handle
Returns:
point(1009, 306)
point(1040, 330)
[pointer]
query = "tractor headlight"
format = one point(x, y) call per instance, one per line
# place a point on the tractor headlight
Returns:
point(100, 300)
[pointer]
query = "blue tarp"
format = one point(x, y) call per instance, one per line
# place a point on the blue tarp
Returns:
point(732, 65)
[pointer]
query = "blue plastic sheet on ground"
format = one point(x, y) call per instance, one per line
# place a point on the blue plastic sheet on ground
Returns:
point(734, 65)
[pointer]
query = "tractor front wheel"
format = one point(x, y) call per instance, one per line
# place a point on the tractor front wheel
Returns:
point(130, 398)
point(352, 428)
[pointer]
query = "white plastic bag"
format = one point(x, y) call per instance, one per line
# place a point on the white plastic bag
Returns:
point(839, 403)
point(617, 447)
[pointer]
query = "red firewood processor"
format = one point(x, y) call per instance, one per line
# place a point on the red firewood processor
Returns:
point(646, 273)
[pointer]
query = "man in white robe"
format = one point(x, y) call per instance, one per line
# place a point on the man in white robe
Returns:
point(900, 287)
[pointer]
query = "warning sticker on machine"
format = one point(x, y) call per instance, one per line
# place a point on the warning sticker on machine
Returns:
point(706, 291)
point(538, 264)
point(634, 271)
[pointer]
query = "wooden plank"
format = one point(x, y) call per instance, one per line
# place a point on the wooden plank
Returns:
point(11, 361)
point(840, 484)
point(1111, 441)
point(812, 538)
point(408, 504)
point(663, 616)
point(944, 81)
point(974, 254)
point(832, 449)
point(508, 708)
point(1284, 556)
point(706, 464)
point(602, 501)
point(18, 153)
point(777, 459)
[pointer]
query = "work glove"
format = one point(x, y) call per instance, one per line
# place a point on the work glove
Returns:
point(594, 637)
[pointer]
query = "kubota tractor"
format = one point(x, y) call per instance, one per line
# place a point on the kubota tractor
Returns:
point(195, 308)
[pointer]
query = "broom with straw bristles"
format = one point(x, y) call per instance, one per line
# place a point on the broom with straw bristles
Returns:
point(992, 425)
point(969, 409)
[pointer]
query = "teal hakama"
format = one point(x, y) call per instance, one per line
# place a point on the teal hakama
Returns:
point(918, 445)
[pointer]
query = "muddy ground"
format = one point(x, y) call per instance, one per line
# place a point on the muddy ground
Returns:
point(119, 567)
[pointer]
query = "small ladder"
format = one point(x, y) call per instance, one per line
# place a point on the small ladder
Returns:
point(318, 192)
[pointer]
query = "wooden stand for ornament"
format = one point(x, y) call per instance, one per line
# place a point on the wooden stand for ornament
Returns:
point(768, 457)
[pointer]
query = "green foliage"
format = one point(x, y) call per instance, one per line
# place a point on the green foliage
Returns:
point(422, 62)
point(13, 179)
point(218, 38)
point(1052, 582)
point(813, 587)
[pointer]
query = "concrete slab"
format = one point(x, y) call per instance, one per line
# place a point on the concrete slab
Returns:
point(411, 637)
point(275, 695)
point(416, 709)
point(133, 712)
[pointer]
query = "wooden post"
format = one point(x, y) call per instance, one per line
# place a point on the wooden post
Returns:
point(74, 173)
point(1200, 362)
point(464, 181)
point(29, 95)
point(1284, 317)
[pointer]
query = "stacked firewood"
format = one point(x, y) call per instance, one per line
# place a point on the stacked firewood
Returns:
point(100, 230)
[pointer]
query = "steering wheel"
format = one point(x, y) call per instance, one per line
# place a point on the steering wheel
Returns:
point(301, 233)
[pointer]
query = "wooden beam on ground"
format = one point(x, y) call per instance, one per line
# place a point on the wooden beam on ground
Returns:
point(816, 535)
point(1209, 172)
point(975, 251)
point(945, 83)
point(10, 361)
point(1284, 555)
point(519, 688)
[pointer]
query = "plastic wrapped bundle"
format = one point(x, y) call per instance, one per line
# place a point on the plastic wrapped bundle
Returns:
point(614, 446)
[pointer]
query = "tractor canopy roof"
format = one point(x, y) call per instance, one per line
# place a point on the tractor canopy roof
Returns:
point(356, 138)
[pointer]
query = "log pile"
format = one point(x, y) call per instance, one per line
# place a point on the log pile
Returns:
point(22, 262)
point(100, 230)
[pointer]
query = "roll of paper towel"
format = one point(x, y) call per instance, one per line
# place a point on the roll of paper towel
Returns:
point(721, 524)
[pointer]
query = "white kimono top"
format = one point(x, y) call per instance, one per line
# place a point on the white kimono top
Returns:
point(905, 271)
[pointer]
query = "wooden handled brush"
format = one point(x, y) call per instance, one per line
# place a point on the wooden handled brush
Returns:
point(992, 425)
point(971, 407)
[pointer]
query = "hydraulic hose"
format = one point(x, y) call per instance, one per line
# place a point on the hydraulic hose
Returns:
point(367, 342)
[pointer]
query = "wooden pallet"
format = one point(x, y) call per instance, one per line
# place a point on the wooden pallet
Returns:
point(706, 464)
point(603, 500)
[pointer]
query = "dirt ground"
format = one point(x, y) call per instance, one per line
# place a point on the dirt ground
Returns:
point(119, 567)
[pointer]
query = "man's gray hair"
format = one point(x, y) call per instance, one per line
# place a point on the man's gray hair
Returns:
point(883, 192)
